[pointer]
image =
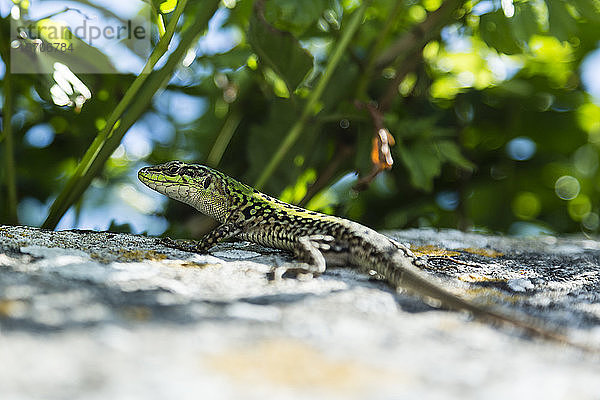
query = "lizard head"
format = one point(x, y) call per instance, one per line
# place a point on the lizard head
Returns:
point(196, 185)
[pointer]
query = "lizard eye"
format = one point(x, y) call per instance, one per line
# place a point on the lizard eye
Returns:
point(173, 169)
point(206, 182)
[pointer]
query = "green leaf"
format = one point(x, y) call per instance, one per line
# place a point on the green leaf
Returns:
point(167, 6)
point(562, 25)
point(294, 16)
point(524, 22)
point(280, 51)
point(230, 60)
point(422, 163)
point(414, 128)
point(450, 151)
point(495, 31)
point(265, 137)
point(588, 9)
point(344, 81)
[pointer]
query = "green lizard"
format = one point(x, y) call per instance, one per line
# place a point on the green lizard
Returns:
point(314, 238)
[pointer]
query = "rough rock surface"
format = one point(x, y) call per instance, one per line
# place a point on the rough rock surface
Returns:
point(97, 315)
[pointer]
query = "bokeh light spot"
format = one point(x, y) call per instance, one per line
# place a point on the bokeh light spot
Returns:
point(585, 160)
point(526, 205)
point(567, 187)
point(591, 221)
point(521, 148)
point(40, 136)
point(447, 200)
point(579, 207)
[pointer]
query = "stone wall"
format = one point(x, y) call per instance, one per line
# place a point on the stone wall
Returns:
point(97, 315)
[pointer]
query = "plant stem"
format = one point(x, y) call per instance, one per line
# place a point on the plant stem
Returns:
point(9, 160)
point(309, 108)
point(134, 103)
point(223, 138)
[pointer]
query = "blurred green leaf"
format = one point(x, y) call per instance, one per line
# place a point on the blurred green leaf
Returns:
point(266, 136)
point(496, 32)
point(588, 9)
point(167, 6)
point(562, 24)
point(279, 50)
point(422, 164)
point(450, 151)
point(294, 16)
point(524, 23)
point(230, 60)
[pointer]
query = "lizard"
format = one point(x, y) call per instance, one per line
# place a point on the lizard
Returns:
point(316, 239)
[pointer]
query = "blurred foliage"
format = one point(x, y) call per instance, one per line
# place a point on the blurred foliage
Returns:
point(492, 126)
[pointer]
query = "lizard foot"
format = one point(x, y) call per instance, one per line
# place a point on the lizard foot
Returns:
point(300, 271)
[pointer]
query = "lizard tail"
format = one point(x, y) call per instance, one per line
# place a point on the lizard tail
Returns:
point(410, 278)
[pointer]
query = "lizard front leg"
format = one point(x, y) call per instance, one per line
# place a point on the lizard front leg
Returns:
point(220, 233)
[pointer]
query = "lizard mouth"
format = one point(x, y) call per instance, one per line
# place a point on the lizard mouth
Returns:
point(155, 179)
point(145, 175)
point(151, 178)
